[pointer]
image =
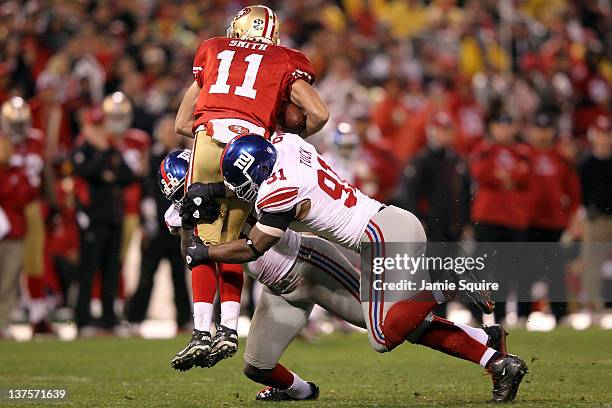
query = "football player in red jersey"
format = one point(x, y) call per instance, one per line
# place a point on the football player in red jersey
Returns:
point(29, 154)
point(15, 194)
point(241, 82)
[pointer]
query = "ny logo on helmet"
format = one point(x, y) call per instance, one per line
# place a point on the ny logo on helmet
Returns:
point(244, 161)
point(185, 155)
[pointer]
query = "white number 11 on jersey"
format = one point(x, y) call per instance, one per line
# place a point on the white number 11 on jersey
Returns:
point(246, 89)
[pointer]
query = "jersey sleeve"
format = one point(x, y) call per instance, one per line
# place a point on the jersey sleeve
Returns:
point(172, 218)
point(299, 67)
point(198, 64)
point(277, 200)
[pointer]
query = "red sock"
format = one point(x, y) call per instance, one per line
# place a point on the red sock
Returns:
point(279, 377)
point(204, 283)
point(405, 316)
point(36, 287)
point(230, 282)
point(444, 336)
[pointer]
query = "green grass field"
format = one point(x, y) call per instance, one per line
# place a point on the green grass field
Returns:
point(568, 369)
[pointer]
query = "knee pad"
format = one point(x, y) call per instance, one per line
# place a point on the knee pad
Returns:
point(253, 373)
point(415, 335)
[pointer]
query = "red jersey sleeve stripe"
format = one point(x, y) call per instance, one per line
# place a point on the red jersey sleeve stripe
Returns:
point(279, 190)
point(277, 199)
point(278, 204)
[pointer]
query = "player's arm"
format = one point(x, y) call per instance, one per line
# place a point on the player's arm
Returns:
point(183, 124)
point(315, 108)
point(263, 236)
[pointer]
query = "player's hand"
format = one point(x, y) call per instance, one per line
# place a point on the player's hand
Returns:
point(199, 205)
point(196, 253)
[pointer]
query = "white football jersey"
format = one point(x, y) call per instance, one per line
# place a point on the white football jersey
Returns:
point(269, 268)
point(276, 262)
point(172, 218)
point(339, 212)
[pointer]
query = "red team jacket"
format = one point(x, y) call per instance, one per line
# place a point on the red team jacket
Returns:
point(555, 193)
point(494, 202)
point(246, 80)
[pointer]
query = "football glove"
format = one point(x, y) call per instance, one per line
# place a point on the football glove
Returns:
point(196, 253)
point(199, 205)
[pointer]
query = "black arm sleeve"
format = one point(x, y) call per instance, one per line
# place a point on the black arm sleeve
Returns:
point(89, 163)
point(280, 220)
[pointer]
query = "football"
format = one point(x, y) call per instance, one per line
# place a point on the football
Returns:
point(291, 118)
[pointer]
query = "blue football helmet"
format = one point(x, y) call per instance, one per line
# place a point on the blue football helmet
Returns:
point(172, 173)
point(247, 161)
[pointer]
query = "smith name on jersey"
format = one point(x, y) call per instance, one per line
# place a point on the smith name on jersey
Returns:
point(338, 212)
point(246, 80)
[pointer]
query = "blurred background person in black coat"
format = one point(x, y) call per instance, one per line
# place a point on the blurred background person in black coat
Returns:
point(157, 242)
point(436, 187)
point(596, 177)
point(104, 174)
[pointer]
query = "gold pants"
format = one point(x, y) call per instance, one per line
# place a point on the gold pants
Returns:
point(34, 240)
point(131, 222)
point(205, 168)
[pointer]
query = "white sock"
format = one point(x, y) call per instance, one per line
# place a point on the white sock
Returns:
point(202, 315)
point(477, 334)
point(484, 360)
point(299, 389)
point(230, 311)
point(38, 310)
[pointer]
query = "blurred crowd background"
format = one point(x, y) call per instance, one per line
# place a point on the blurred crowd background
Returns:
point(488, 119)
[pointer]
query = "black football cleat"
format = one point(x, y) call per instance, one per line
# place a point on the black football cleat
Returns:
point(196, 353)
point(497, 337)
point(507, 374)
point(224, 344)
point(274, 394)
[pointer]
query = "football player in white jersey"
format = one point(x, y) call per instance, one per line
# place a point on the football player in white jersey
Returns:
point(298, 272)
point(292, 186)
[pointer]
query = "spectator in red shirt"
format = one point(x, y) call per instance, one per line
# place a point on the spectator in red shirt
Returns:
point(501, 170)
point(555, 197)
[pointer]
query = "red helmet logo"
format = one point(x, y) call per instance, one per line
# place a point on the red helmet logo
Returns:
point(243, 12)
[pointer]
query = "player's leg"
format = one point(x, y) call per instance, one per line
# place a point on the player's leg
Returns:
point(10, 266)
point(331, 280)
point(275, 324)
point(231, 279)
point(33, 266)
point(203, 167)
point(391, 323)
point(204, 287)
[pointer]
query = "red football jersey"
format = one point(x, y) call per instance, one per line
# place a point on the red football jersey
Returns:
point(246, 80)
point(30, 155)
